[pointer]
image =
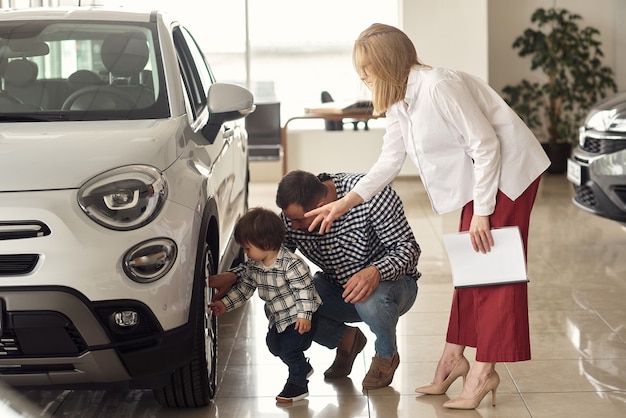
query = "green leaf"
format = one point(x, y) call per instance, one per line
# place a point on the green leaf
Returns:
point(571, 58)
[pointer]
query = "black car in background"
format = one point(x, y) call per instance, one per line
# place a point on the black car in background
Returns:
point(597, 167)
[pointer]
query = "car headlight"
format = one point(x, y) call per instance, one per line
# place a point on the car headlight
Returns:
point(613, 164)
point(125, 198)
point(600, 120)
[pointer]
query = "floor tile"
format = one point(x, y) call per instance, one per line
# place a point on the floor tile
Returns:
point(577, 270)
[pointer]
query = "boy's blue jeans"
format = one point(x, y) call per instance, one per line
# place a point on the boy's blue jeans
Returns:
point(380, 312)
point(290, 346)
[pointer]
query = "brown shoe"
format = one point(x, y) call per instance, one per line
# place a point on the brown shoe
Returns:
point(342, 366)
point(381, 372)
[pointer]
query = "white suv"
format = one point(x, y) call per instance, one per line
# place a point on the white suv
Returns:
point(123, 170)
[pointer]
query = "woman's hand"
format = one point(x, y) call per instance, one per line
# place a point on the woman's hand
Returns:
point(326, 215)
point(480, 234)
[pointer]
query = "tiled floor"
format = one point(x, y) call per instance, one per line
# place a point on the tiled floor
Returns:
point(577, 268)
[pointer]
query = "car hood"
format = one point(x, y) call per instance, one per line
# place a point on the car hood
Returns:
point(614, 107)
point(63, 155)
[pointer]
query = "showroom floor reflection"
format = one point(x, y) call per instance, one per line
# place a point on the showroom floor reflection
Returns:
point(577, 268)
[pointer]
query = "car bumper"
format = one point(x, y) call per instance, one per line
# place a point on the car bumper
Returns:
point(55, 336)
point(60, 288)
point(599, 183)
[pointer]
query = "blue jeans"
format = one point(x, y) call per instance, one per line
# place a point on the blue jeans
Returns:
point(290, 346)
point(380, 312)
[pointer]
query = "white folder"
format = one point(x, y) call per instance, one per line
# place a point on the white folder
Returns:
point(505, 263)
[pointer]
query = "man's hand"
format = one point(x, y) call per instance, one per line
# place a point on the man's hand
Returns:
point(480, 234)
point(303, 325)
point(222, 282)
point(360, 286)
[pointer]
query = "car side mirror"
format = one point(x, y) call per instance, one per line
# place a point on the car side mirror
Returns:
point(226, 102)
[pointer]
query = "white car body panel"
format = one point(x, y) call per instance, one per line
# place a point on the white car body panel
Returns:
point(119, 194)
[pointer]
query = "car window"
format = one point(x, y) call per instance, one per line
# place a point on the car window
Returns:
point(81, 70)
point(197, 75)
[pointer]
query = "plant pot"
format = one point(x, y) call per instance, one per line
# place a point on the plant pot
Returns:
point(558, 152)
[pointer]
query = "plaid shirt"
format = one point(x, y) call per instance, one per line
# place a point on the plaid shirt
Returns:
point(286, 287)
point(373, 233)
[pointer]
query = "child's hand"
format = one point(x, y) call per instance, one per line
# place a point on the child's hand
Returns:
point(303, 325)
point(222, 282)
point(218, 308)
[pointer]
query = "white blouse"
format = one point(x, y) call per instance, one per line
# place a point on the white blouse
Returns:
point(464, 139)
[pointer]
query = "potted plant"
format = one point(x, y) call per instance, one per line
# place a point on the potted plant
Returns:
point(574, 79)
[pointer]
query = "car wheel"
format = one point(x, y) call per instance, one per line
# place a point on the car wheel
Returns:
point(194, 384)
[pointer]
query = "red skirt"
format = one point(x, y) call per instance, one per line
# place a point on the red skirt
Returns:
point(494, 319)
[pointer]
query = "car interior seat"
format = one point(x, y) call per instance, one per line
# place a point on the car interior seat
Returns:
point(124, 56)
point(19, 83)
point(83, 78)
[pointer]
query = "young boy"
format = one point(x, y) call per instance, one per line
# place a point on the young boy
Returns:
point(285, 284)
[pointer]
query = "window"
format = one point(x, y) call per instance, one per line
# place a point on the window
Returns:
point(86, 69)
point(295, 50)
point(197, 79)
point(298, 49)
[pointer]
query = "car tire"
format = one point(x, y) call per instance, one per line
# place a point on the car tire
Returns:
point(194, 384)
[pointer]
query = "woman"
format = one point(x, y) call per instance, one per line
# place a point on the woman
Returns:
point(473, 153)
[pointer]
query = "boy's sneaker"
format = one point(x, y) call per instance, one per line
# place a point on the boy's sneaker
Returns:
point(292, 393)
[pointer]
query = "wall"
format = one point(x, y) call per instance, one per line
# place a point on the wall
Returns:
point(336, 151)
point(449, 33)
point(470, 35)
point(476, 35)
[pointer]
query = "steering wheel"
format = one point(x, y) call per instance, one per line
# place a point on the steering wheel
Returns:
point(99, 98)
point(6, 98)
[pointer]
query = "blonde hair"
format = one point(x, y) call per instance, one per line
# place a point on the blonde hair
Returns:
point(386, 54)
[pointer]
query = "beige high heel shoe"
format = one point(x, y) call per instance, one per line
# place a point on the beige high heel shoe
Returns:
point(461, 368)
point(490, 385)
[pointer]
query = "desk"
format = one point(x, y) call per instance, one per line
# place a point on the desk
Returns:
point(365, 116)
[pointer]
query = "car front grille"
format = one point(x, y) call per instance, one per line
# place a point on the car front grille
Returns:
point(39, 334)
point(595, 145)
point(9, 346)
point(23, 229)
point(592, 145)
point(585, 196)
point(20, 264)
point(17, 264)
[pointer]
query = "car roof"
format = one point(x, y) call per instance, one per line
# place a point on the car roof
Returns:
point(121, 14)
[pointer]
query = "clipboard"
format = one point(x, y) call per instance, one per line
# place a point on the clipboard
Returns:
point(505, 263)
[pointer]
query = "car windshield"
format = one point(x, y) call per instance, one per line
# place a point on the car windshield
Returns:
point(60, 70)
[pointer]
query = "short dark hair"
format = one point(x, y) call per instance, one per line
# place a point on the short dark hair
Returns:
point(262, 228)
point(300, 187)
